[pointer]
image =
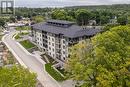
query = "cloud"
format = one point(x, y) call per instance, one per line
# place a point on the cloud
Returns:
point(61, 3)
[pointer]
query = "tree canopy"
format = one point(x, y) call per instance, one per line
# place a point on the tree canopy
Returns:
point(16, 76)
point(61, 15)
point(82, 17)
point(122, 20)
point(38, 19)
point(103, 61)
point(2, 22)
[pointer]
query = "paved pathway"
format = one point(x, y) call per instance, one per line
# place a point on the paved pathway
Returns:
point(29, 61)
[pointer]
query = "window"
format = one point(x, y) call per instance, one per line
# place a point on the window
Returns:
point(52, 44)
point(63, 52)
point(53, 49)
point(64, 41)
point(63, 47)
point(49, 43)
point(49, 48)
point(41, 44)
point(52, 39)
point(49, 38)
point(63, 58)
point(53, 55)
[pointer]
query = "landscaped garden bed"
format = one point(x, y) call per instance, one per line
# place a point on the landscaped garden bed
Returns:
point(24, 33)
point(55, 74)
point(20, 35)
point(50, 59)
point(61, 71)
point(23, 28)
point(27, 44)
point(17, 37)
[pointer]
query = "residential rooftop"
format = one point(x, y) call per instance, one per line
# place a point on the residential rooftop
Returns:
point(60, 22)
point(66, 28)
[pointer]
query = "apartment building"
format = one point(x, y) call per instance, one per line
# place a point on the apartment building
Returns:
point(54, 37)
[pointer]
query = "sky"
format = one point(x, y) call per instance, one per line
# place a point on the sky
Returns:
point(63, 3)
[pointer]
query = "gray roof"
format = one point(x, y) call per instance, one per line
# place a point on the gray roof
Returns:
point(60, 21)
point(72, 31)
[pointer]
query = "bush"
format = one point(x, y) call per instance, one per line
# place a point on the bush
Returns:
point(56, 75)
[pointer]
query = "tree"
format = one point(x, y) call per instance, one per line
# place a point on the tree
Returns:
point(2, 22)
point(19, 17)
point(82, 17)
point(109, 26)
point(16, 76)
point(103, 61)
point(129, 20)
point(122, 20)
point(104, 19)
point(61, 15)
point(12, 19)
point(38, 19)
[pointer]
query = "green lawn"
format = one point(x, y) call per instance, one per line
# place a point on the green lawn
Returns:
point(1, 37)
point(24, 33)
point(56, 75)
point(27, 44)
point(23, 28)
point(17, 37)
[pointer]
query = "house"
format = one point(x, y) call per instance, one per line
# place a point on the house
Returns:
point(54, 37)
point(113, 20)
point(92, 22)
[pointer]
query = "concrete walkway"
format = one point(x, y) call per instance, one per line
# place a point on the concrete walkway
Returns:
point(29, 61)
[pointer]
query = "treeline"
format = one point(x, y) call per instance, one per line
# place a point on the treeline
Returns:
point(81, 14)
point(117, 8)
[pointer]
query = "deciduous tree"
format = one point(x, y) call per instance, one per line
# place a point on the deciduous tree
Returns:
point(16, 76)
point(104, 61)
point(82, 16)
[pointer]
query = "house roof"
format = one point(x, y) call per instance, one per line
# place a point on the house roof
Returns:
point(71, 31)
point(60, 21)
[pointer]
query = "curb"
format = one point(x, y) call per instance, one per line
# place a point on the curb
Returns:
point(39, 59)
point(19, 60)
point(50, 76)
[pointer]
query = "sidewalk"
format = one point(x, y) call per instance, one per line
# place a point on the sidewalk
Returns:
point(29, 61)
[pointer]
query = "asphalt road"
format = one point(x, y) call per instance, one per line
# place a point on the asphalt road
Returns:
point(30, 61)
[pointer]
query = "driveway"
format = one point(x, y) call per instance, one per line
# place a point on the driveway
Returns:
point(30, 61)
